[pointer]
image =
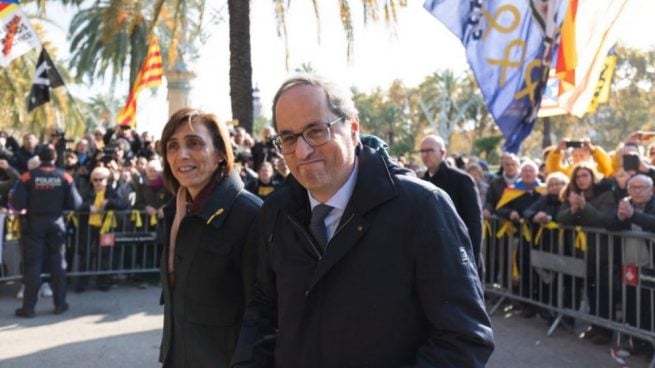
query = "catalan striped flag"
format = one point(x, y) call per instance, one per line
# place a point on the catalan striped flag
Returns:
point(149, 76)
point(567, 57)
point(16, 33)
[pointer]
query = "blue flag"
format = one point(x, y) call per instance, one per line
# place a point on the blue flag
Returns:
point(509, 47)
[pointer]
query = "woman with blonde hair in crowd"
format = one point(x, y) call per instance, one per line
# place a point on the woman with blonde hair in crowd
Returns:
point(209, 260)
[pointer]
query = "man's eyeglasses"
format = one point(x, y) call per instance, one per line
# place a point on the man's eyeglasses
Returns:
point(426, 151)
point(315, 135)
point(98, 179)
point(639, 187)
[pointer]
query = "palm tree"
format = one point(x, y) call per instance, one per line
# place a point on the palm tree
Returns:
point(241, 63)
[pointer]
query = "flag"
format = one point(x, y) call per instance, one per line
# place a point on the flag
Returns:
point(567, 57)
point(149, 76)
point(598, 25)
point(602, 90)
point(16, 33)
point(509, 48)
point(46, 77)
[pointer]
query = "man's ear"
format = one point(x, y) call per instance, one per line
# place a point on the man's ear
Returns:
point(354, 128)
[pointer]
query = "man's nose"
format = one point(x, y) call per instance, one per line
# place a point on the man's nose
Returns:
point(303, 149)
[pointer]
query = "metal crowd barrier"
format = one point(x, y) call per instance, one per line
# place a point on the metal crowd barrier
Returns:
point(601, 277)
point(121, 242)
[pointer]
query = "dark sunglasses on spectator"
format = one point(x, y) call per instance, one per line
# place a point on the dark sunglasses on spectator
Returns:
point(98, 179)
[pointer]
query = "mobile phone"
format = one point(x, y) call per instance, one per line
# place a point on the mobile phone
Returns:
point(631, 162)
point(574, 144)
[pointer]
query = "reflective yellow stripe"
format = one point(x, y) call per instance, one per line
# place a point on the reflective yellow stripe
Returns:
point(109, 223)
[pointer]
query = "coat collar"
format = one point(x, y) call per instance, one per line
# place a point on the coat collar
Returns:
point(219, 202)
point(374, 186)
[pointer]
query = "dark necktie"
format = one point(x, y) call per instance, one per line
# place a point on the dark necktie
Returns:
point(317, 225)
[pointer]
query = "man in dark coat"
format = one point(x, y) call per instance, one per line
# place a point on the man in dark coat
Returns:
point(371, 284)
point(457, 184)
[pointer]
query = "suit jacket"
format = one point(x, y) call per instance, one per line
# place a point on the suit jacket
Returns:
point(393, 289)
point(464, 193)
point(215, 262)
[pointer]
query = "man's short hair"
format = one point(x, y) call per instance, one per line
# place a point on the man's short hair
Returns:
point(46, 153)
point(339, 99)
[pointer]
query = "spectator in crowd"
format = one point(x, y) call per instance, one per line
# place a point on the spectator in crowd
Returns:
point(457, 184)
point(476, 172)
point(514, 201)
point(6, 152)
point(151, 197)
point(633, 162)
point(263, 150)
point(580, 151)
point(93, 214)
point(44, 192)
point(541, 214)
point(58, 140)
point(651, 153)
point(584, 204)
point(637, 212)
point(316, 283)
point(133, 140)
point(83, 151)
point(25, 152)
point(509, 164)
point(281, 169)
point(209, 263)
point(265, 183)
point(99, 135)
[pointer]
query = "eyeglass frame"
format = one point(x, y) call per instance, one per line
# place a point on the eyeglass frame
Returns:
point(277, 140)
point(98, 180)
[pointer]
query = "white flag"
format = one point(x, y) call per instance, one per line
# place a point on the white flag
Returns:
point(16, 33)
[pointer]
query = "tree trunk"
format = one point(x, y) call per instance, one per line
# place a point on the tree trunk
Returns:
point(547, 129)
point(240, 63)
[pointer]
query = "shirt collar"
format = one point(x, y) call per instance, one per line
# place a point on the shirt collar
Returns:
point(340, 199)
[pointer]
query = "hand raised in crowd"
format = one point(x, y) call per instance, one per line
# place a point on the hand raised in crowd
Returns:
point(541, 217)
point(160, 212)
point(514, 216)
point(576, 201)
point(625, 210)
point(4, 164)
point(562, 144)
point(486, 213)
point(638, 136)
point(586, 143)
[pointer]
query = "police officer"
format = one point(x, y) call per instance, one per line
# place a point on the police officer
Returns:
point(44, 192)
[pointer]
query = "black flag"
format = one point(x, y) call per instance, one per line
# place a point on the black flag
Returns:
point(46, 77)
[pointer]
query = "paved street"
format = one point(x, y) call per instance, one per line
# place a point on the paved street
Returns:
point(121, 328)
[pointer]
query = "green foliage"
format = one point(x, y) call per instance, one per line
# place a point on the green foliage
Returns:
point(487, 147)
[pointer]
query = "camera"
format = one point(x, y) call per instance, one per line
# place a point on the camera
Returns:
point(631, 162)
point(574, 144)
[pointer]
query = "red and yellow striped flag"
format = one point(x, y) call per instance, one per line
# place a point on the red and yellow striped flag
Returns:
point(567, 58)
point(149, 76)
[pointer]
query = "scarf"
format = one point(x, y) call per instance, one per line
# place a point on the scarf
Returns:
point(156, 184)
point(95, 219)
point(180, 212)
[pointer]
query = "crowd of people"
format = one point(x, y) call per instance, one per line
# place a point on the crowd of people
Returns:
point(574, 183)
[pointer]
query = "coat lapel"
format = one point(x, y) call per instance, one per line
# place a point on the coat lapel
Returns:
point(373, 173)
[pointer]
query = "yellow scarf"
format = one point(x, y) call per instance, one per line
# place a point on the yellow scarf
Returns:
point(95, 219)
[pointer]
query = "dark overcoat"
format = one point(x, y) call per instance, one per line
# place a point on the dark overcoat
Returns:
point(464, 193)
point(215, 262)
point(396, 286)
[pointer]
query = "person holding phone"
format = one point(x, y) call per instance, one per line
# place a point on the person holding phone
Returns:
point(580, 151)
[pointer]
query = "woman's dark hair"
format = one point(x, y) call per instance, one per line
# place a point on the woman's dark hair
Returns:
point(572, 186)
point(220, 138)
